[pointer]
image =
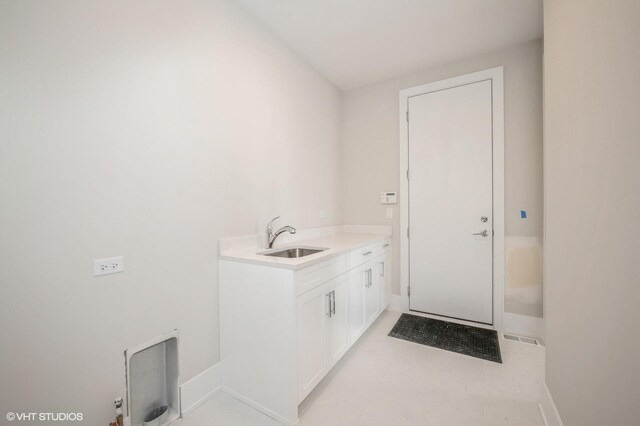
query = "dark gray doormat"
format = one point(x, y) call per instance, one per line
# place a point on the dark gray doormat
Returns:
point(463, 339)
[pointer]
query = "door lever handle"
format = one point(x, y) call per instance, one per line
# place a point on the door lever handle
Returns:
point(483, 233)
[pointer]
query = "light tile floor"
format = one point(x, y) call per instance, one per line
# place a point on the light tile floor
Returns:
point(391, 382)
point(225, 410)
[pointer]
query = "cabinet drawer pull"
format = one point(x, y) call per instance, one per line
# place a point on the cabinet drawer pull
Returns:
point(329, 300)
point(367, 253)
point(386, 245)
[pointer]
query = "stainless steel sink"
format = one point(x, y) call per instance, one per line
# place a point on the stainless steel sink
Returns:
point(295, 252)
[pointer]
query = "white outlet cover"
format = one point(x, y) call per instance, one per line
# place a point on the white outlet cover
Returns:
point(389, 213)
point(108, 265)
point(323, 214)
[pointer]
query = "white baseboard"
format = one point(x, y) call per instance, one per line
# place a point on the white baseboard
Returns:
point(201, 388)
point(523, 325)
point(548, 409)
point(259, 407)
point(396, 303)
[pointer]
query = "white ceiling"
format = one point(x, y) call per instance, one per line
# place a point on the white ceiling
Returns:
point(358, 42)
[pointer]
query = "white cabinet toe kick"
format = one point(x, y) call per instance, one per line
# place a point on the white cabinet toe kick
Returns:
point(282, 330)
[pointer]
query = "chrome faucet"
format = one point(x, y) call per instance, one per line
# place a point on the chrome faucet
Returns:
point(271, 236)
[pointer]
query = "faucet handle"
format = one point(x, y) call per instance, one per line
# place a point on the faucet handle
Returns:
point(269, 228)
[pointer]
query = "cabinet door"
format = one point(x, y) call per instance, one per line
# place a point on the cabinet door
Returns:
point(384, 281)
point(371, 301)
point(387, 277)
point(337, 324)
point(313, 308)
point(356, 303)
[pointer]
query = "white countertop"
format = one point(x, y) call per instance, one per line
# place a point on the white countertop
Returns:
point(336, 244)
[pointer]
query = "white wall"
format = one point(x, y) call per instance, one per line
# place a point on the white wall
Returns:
point(371, 160)
point(592, 200)
point(146, 129)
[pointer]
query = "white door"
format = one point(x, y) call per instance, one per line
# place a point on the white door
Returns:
point(450, 203)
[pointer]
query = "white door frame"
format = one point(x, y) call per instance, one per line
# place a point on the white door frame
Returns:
point(497, 94)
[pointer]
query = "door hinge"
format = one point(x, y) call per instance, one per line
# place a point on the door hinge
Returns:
point(407, 115)
point(408, 290)
point(407, 232)
point(407, 174)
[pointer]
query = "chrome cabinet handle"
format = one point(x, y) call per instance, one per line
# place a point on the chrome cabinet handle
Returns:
point(329, 299)
point(386, 245)
point(382, 269)
point(333, 298)
point(369, 278)
point(483, 233)
point(367, 253)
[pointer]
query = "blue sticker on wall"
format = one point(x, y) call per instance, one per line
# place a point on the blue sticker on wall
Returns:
point(523, 214)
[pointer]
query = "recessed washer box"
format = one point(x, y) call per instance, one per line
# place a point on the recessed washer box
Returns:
point(153, 379)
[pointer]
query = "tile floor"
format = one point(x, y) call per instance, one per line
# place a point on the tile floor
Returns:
point(391, 382)
point(224, 410)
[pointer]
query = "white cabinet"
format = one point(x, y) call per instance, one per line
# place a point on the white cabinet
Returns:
point(367, 294)
point(337, 323)
point(384, 280)
point(311, 307)
point(357, 324)
point(282, 330)
point(371, 297)
point(322, 332)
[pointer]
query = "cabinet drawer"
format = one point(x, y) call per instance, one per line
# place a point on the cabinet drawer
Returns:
point(311, 277)
point(364, 254)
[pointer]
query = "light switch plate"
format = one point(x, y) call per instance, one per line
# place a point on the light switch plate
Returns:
point(108, 265)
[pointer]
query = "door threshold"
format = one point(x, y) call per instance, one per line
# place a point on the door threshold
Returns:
point(452, 319)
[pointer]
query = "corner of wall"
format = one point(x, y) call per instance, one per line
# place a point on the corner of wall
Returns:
point(200, 388)
point(548, 409)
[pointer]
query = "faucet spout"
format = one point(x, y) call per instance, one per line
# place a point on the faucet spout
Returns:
point(271, 236)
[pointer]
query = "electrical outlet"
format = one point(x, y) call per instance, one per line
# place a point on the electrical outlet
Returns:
point(389, 213)
point(109, 265)
point(323, 214)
